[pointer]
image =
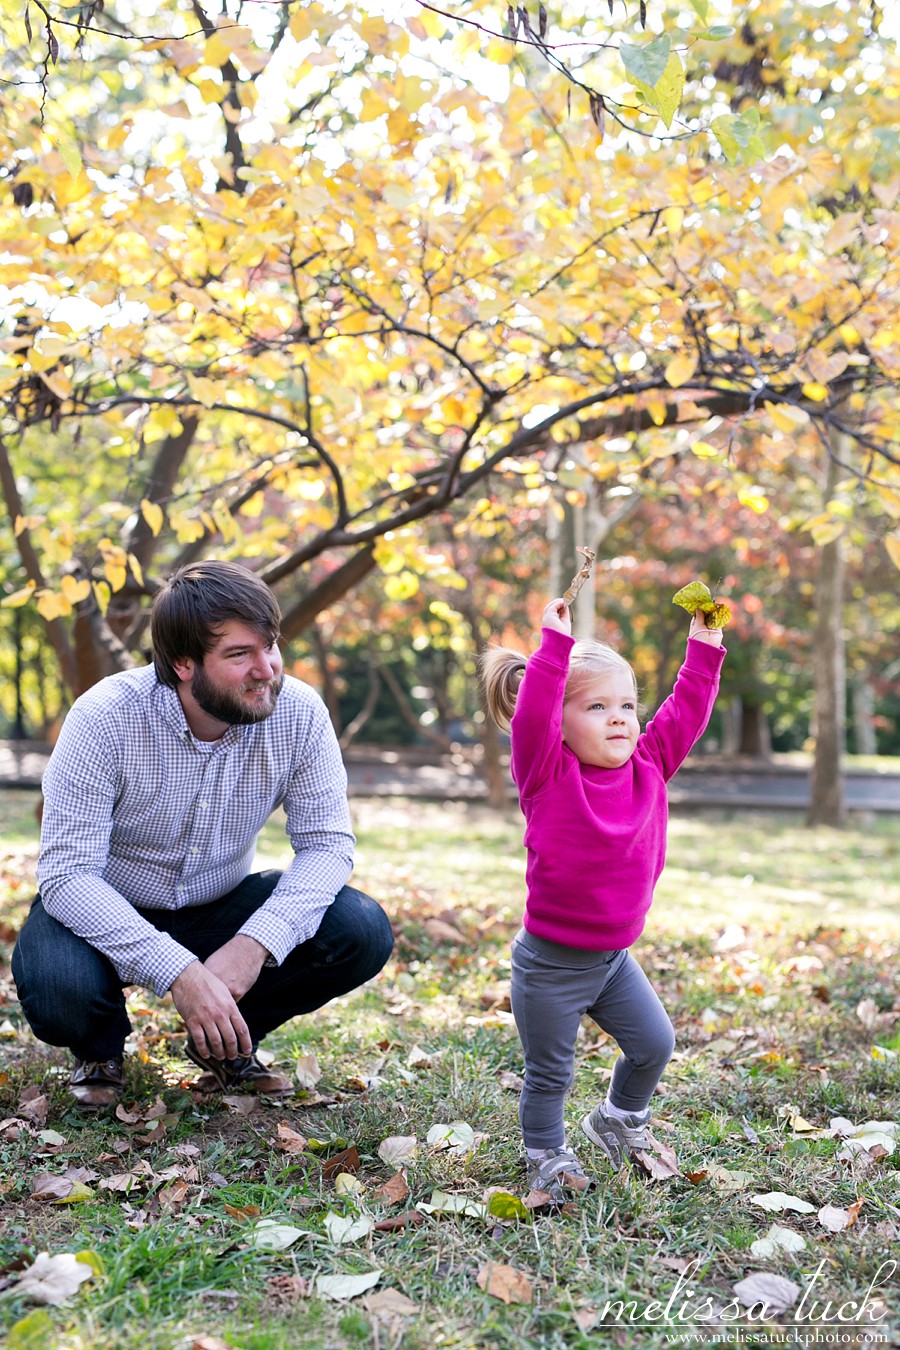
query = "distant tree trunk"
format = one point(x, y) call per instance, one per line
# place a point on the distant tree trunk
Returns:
point(754, 739)
point(493, 770)
point(865, 741)
point(827, 803)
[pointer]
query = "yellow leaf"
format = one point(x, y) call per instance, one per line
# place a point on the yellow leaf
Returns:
point(680, 369)
point(755, 499)
point(28, 523)
point(785, 419)
point(818, 393)
point(136, 569)
point(73, 590)
point(892, 544)
point(18, 597)
point(500, 51)
point(204, 390)
point(116, 574)
point(52, 605)
point(187, 530)
point(153, 515)
point(657, 408)
point(401, 586)
point(703, 450)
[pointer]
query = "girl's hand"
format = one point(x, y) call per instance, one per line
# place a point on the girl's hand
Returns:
point(556, 615)
point(698, 629)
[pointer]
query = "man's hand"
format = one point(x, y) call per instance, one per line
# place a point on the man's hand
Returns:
point(238, 964)
point(210, 1013)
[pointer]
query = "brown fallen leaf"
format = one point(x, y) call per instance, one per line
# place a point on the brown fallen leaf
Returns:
point(345, 1161)
point(289, 1140)
point(439, 931)
point(394, 1191)
point(290, 1288)
point(659, 1161)
point(505, 1283)
point(174, 1195)
point(389, 1303)
point(211, 1343)
point(410, 1218)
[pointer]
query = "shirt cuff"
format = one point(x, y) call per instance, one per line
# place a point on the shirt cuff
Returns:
point(273, 933)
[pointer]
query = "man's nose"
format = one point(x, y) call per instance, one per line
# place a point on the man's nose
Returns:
point(264, 665)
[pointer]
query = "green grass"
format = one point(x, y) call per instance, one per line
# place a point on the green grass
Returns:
point(773, 947)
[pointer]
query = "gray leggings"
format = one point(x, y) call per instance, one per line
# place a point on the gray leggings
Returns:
point(552, 988)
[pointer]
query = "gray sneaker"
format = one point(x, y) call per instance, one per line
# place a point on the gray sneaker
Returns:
point(560, 1170)
point(618, 1137)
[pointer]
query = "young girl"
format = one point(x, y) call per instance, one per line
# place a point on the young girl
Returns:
point(592, 789)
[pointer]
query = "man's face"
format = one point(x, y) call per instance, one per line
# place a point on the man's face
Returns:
point(240, 678)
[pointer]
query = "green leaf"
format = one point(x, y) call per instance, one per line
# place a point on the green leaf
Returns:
point(719, 32)
point(665, 96)
point(34, 1332)
point(502, 1205)
point(701, 9)
point(739, 136)
point(646, 65)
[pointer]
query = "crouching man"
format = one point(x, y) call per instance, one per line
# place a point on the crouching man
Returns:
point(153, 797)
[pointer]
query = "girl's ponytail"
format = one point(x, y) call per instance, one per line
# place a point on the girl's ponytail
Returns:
point(501, 670)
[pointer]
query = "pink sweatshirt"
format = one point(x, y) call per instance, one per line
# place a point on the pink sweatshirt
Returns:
point(596, 838)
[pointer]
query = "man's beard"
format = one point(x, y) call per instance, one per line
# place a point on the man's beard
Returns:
point(227, 706)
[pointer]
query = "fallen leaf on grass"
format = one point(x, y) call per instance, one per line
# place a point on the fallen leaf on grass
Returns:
point(211, 1343)
point(135, 1116)
point(505, 1283)
point(659, 1161)
point(174, 1195)
point(399, 1149)
point(390, 1303)
point(307, 1071)
point(52, 1279)
point(345, 1161)
point(271, 1236)
point(393, 1192)
point(410, 1218)
point(776, 1240)
point(344, 1228)
point(505, 1206)
point(512, 1082)
point(239, 1103)
point(439, 931)
point(442, 1202)
point(289, 1140)
point(778, 1200)
point(727, 1180)
point(340, 1287)
point(345, 1183)
point(63, 1190)
point(33, 1106)
point(290, 1288)
point(458, 1137)
point(242, 1211)
point(836, 1220)
point(773, 1294)
point(33, 1332)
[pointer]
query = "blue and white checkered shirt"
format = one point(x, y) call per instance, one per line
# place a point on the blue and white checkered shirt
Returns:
point(138, 812)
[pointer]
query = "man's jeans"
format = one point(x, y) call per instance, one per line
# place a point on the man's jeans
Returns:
point(72, 996)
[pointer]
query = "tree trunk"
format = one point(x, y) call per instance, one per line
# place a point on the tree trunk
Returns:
point(865, 741)
point(827, 803)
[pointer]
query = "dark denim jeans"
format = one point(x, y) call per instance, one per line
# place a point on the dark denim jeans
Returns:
point(71, 995)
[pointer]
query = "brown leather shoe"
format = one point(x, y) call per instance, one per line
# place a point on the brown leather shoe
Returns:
point(97, 1084)
point(245, 1073)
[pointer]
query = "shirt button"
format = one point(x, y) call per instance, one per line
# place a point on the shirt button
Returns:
point(195, 850)
point(203, 805)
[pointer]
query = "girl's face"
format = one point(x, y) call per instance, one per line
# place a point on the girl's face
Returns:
point(600, 721)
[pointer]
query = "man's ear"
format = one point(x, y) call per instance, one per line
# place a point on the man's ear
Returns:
point(184, 669)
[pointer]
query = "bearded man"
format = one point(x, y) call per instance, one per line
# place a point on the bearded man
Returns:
point(154, 795)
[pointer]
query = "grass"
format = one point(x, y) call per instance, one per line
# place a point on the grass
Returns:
point(774, 948)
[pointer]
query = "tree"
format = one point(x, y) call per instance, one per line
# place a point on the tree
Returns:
point(285, 289)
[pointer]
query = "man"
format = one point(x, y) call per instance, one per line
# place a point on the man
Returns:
point(153, 797)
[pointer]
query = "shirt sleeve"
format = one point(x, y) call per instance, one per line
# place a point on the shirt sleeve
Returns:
point(684, 716)
point(80, 788)
point(536, 730)
point(318, 826)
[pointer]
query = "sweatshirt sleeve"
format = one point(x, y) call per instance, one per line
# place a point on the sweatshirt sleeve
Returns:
point(682, 719)
point(536, 729)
